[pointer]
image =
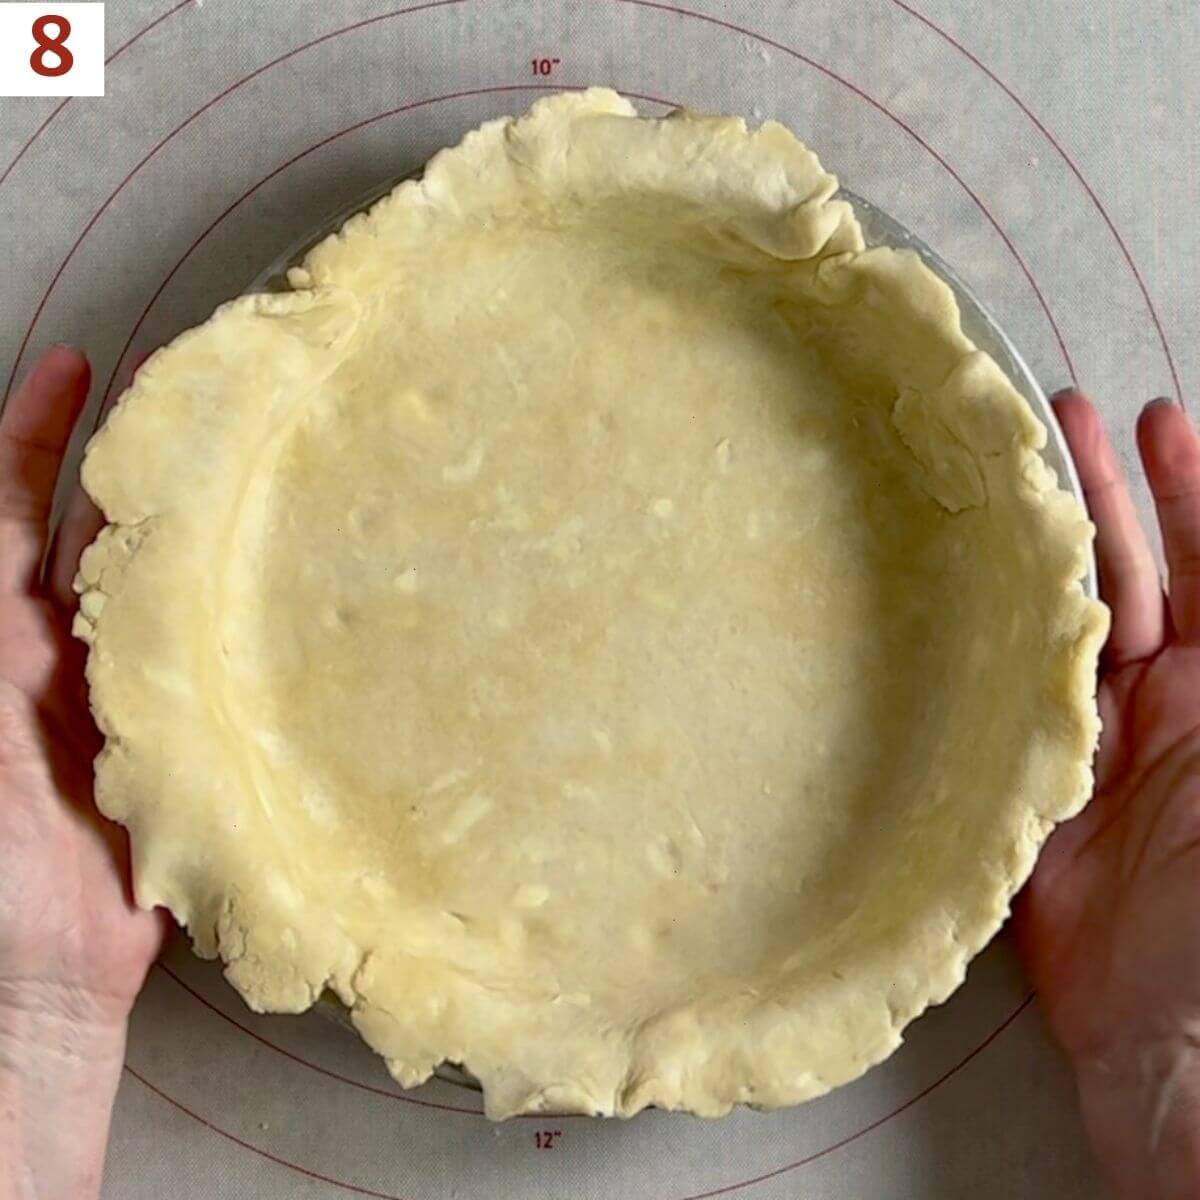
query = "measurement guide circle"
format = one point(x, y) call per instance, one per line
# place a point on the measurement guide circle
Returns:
point(548, 1125)
point(398, 1096)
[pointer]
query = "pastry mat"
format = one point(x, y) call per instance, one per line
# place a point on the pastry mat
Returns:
point(1045, 148)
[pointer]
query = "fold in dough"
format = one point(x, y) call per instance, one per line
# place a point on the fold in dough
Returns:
point(606, 625)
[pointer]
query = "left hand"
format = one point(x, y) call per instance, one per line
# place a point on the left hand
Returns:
point(74, 948)
point(67, 921)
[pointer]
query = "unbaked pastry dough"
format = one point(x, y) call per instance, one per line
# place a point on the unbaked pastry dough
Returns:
point(604, 624)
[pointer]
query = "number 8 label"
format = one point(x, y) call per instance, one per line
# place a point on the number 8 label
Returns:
point(53, 48)
point(56, 45)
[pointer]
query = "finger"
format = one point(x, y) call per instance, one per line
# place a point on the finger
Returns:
point(80, 523)
point(34, 430)
point(43, 662)
point(1170, 450)
point(1129, 580)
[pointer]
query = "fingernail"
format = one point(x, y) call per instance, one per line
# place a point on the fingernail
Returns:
point(1062, 394)
point(1160, 402)
point(62, 347)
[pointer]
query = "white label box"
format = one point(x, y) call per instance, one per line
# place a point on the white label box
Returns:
point(51, 49)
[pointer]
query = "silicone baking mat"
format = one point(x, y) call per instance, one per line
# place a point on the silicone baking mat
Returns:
point(1046, 148)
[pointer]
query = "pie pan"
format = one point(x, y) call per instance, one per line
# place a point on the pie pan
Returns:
point(879, 229)
point(602, 622)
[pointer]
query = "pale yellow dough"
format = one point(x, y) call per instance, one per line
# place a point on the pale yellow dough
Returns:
point(605, 625)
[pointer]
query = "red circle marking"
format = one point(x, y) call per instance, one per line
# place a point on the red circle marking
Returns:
point(304, 1062)
point(810, 1158)
point(912, 133)
point(37, 133)
point(245, 1145)
point(1074, 169)
point(513, 87)
point(727, 1190)
point(233, 87)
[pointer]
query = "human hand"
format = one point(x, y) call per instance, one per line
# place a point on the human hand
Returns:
point(1109, 924)
point(74, 949)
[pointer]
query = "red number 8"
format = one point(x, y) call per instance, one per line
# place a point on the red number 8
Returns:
point(37, 60)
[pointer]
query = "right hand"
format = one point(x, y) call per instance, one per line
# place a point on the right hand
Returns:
point(1110, 921)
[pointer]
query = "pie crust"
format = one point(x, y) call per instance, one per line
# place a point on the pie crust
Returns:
point(606, 625)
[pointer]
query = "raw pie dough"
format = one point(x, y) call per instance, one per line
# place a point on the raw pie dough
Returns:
point(606, 625)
